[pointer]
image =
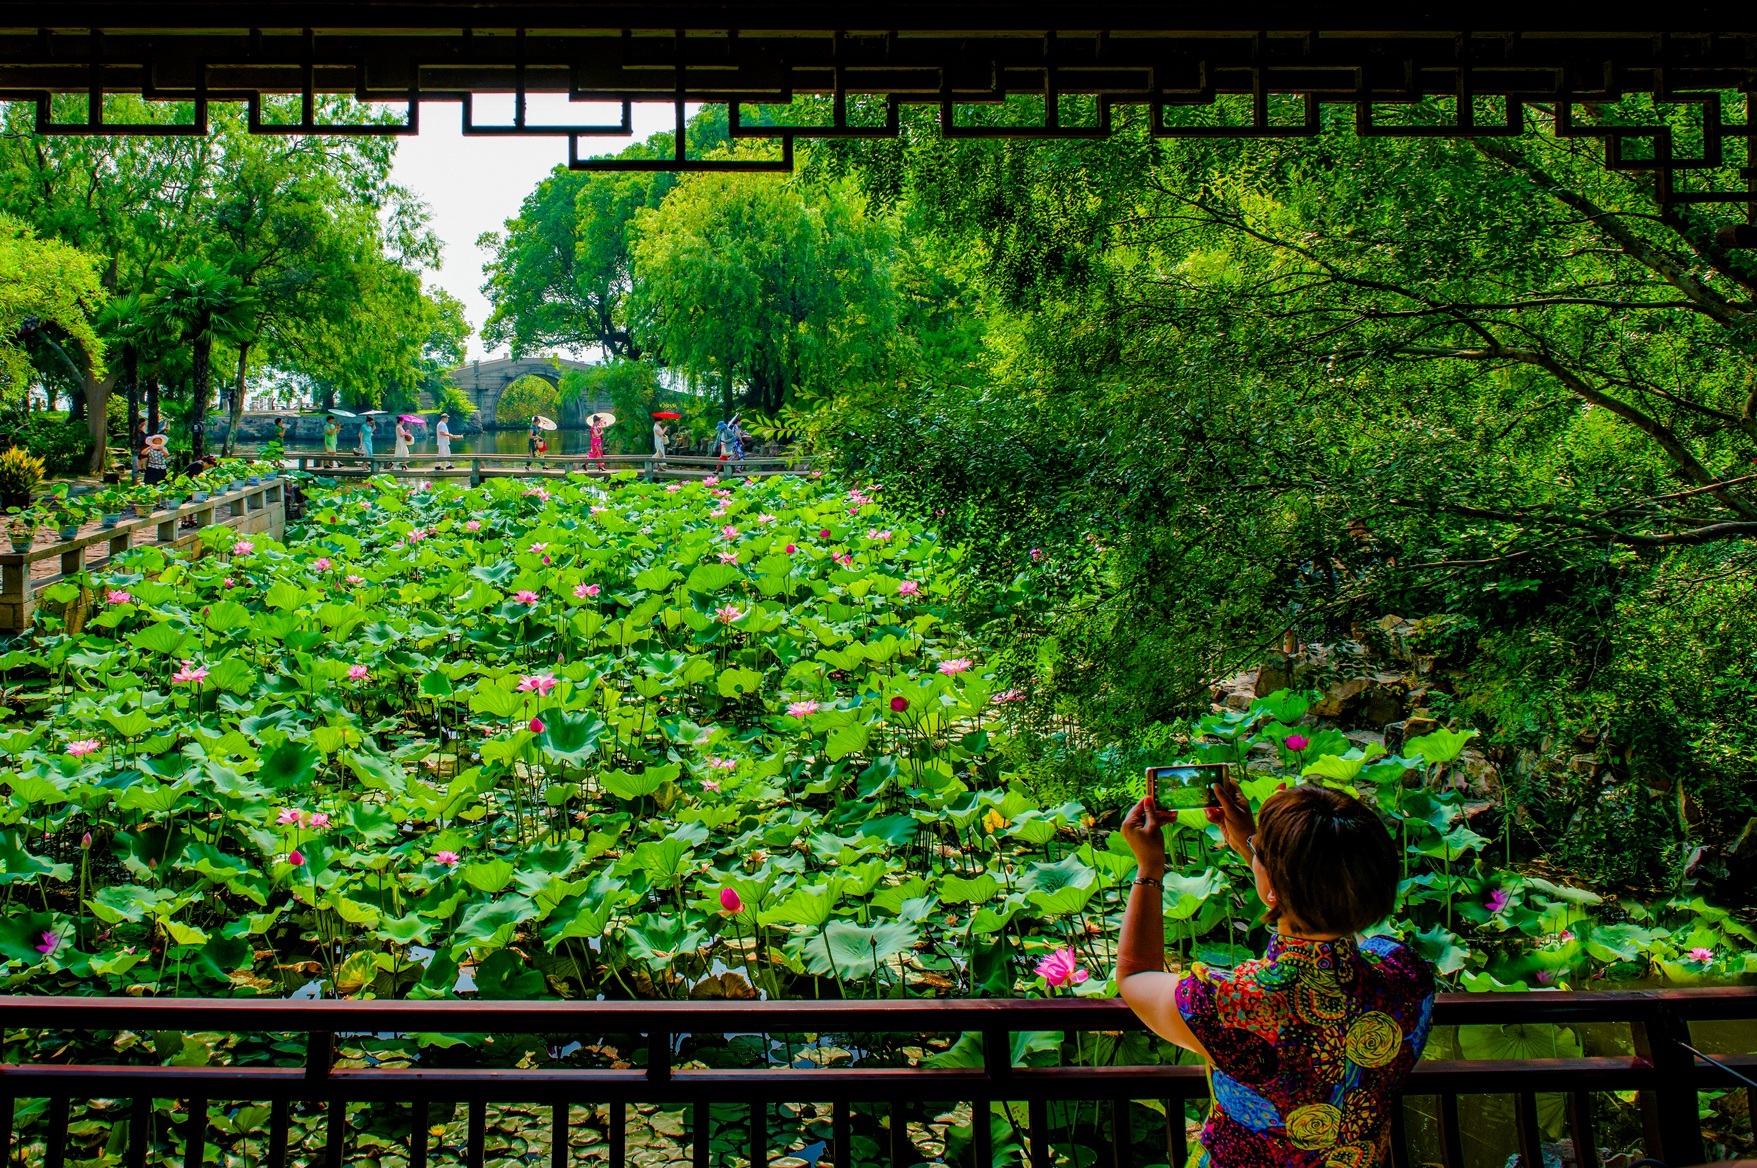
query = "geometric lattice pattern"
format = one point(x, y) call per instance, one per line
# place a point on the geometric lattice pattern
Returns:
point(1674, 104)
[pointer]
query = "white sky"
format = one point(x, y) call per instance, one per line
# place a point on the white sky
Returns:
point(476, 184)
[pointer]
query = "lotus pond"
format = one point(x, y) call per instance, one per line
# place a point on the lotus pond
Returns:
point(639, 740)
point(624, 739)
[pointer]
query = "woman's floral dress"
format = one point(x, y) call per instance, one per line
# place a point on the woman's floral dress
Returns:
point(1308, 1048)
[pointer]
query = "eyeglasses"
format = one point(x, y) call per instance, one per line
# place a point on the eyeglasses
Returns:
point(1251, 843)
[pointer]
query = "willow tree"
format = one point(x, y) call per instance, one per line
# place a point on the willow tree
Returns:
point(763, 287)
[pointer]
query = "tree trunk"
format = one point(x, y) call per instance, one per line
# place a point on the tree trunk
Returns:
point(97, 418)
point(237, 415)
point(131, 387)
point(152, 405)
point(198, 393)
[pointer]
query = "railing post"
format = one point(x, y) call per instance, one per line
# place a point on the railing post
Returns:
point(140, 1113)
point(475, 472)
point(320, 1054)
point(1668, 1112)
point(195, 1138)
point(659, 1056)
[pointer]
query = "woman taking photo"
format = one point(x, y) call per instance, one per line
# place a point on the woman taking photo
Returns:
point(1308, 1047)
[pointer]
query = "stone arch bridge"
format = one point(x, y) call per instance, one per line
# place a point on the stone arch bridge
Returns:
point(485, 381)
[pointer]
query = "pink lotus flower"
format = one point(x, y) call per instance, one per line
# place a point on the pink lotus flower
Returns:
point(791, 548)
point(824, 534)
point(765, 518)
point(728, 613)
point(539, 548)
point(537, 492)
point(1061, 968)
point(357, 673)
point(955, 666)
point(710, 785)
point(417, 535)
point(728, 557)
point(321, 563)
point(803, 709)
point(717, 512)
point(51, 945)
point(81, 747)
point(585, 591)
point(289, 817)
point(356, 581)
point(243, 548)
point(365, 505)
point(190, 674)
point(711, 481)
point(473, 525)
point(908, 588)
point(722, 494)
point(1497, 900)
point(296, 858)
point(875, 533)
point(899, 704)
point(539, 684)
point(673, 488)
point(319, 821)
point(1296, 742)
point(1701, 954)
point(723, 764)
point(537, 726)
point(844, 558)
point(729, 532)
point(526, 596)
point(227, 581)
point(597, 510)
point(1565, 936)
point(730, 902)
point(117, 596)
point(449, 859)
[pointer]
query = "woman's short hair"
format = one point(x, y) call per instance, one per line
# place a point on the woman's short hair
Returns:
point(1331, 861)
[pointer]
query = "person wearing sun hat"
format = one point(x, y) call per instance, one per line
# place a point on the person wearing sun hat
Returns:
point(158, 458)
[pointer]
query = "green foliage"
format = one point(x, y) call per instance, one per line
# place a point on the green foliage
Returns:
point(772, 289)
point(55, 287)
point(526, 396)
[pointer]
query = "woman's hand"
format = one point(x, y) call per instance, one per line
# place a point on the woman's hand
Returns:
point(1233, 815)
point(1143, 829)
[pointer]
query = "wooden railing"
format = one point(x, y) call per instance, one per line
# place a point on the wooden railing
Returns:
point(476, 467)
point(252, 508)
point(1660, 1065)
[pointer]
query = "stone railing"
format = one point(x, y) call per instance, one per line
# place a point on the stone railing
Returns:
point(25, 575)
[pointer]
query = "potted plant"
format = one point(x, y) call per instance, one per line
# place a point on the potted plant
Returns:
point(20, 472)
point(70, 515)
point(109, 503)
point(144, 499)
point(21, 527)
point(176, 492)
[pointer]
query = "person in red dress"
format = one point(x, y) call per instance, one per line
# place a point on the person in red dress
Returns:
point(1308, 1047)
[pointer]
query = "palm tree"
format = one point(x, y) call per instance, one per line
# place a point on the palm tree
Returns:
point(201, 302)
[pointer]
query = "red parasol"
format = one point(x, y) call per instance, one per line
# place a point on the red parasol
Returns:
point(669, 414)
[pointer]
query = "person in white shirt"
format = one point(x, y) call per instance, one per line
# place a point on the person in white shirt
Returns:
point(443, 433)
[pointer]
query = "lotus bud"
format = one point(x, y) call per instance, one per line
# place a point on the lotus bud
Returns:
point(730, 902)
